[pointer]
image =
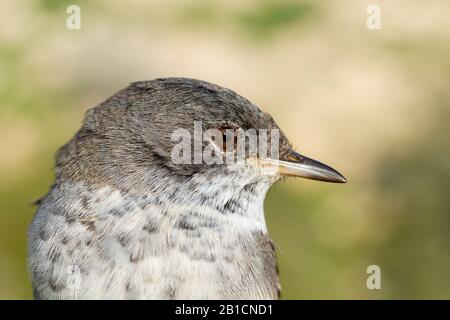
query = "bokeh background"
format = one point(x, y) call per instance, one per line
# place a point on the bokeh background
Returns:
point(373, 104)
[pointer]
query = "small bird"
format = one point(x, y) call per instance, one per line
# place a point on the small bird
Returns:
point(123, 220)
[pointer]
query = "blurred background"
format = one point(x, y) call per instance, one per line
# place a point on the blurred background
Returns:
point(375, 104)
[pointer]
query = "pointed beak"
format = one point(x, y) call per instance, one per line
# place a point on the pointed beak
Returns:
point(300, 166)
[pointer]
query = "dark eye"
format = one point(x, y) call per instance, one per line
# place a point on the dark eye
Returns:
point(229, 138)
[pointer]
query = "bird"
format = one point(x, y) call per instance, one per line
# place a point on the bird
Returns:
point(123, 220)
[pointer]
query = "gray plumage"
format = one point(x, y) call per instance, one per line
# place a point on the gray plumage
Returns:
point(122, 221)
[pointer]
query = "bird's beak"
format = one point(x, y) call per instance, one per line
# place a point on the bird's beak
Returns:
point(294, 164)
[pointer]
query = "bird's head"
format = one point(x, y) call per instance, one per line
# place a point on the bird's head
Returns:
point(176, 129)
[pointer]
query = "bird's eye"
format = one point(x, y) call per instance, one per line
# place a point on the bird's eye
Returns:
point(229, 138)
